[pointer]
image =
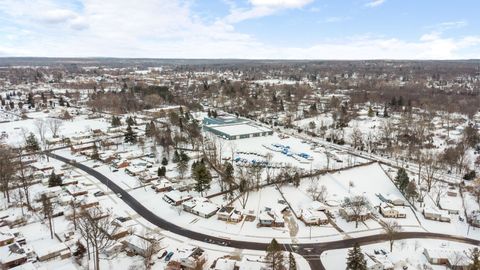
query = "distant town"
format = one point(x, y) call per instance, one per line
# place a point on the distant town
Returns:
point(239, 164)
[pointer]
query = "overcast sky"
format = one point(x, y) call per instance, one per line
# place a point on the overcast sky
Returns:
point(273, 29)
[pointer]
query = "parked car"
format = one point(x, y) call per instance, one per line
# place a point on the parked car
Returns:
point(169, 256)
point(119, 195)
point(98, 193)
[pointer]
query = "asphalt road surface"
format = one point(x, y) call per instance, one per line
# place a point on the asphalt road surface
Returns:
point(310, 251)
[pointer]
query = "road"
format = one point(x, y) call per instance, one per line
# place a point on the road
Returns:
point(310, 251)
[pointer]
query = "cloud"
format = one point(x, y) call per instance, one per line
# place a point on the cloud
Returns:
point(169, 29)
point(444, 26)
point(375, 3)
point(262, 8)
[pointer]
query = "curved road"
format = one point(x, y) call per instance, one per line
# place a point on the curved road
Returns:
point(311, 251)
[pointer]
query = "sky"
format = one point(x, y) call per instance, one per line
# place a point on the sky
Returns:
point(247, 29)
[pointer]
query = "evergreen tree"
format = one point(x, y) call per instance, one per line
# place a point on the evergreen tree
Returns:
point(54, 180)
point(116, 122)
point(356, 259)
point(150, 129)
point(95, 154)
point(130, 121)
point(402, 180)
point(130, 136)
point(164, 161)
point(296, 179)
point(411, 190)
point(162, 171)
point(274, 255)
point(291, 262)
point(202, 177)
point(176, 157)
point(31, 143)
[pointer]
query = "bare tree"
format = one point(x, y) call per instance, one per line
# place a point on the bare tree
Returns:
point(54, 125)
point(95, 226)
point(48, 209)
point(357, 205)
point(356, 138)
point(151, 246)
point(7, 170)
point(25, 178)
point(431, 169)
point(317, 193)
point(41, 129)
point(392, 229)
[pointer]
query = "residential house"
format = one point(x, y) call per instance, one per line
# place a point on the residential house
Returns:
point(190, 257)
point(12, 255)
point(175, 197)
point(350, 215)
point(313, 217)
point(390, 211)
point(201, 207)
point(47, 252)
point(162, 186)
point(434, 214)
point(229, 214)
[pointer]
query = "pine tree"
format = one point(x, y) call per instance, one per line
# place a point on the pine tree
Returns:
point(356, 259)
point(130, 121)
point(176, 157)
point(130, 136)
point(32, 143)
point(164, 161)
point(411, 190)
point(291, 262)
point(202, 177)
point(402, 180)
point(162, 171)
point(274, 255)
point(116, 122)
point(54, 180)
point(95, 154)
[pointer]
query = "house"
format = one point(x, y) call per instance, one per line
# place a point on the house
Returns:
point(350, 215)
point(79, 148)
point(137, 244)
point(271, 217)
point(12, 255)
point(87, 202)
point(175, 197)
point(6, 239)
point(190, 257)
point(50, 251)
point(455, 259)
point(390, 211)
point(313, 217)
point(162, 186)
point(76, 190)
point(434, 214)
point(229, 214)
point(200, 206)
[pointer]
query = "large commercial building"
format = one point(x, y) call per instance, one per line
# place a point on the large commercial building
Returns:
point(232, 128)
